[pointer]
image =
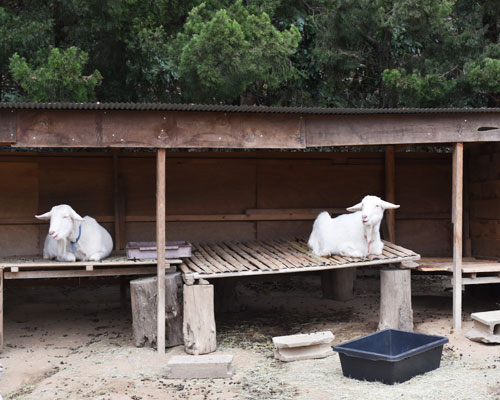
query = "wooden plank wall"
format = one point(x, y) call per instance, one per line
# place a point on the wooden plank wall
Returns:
point(483, 168)
point(220, 184)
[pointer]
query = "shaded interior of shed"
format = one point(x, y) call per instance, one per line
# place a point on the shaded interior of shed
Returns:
point(241, 195)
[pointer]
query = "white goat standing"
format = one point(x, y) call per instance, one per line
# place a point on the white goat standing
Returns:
point(351, 235)
point(72, 237)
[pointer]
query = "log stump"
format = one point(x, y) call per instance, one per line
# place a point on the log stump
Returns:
point(338, 284)
point(395, 299)
point(143, 293)
point(199, 319)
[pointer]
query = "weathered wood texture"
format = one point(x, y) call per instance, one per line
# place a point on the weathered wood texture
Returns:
point(338, 284)
point(483, 165)
point(8, 126)
point(143, 293)
point(352, 130)
point(232, 259)
point(160, 240)
point(1, 309)
point(395, 300)
point(457, 218)
point(160, 129)
point(177, 129)
point(221, 196)
point(199, 319)
point(390, 191)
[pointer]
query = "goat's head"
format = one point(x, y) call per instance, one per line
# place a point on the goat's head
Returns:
point(62, 219)
point(372, 209)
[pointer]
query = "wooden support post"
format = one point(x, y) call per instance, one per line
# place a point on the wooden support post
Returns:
point(118, 203)
point(160, 246)
point(395, 299)
point(338, 284)
point(457, 200)
point(390, 190)
point(143, 295)
point(199, 319)
point(1, 309)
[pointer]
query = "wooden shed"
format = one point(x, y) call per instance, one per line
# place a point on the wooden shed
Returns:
point(222, 175)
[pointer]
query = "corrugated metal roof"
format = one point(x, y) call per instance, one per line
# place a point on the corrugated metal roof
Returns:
point(238, 109)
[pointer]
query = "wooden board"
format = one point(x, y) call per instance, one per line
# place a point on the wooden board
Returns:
point(379, 129)
point(226, 259)
point(84, 183)
point(158, 129)
point(18, 189)
point(8, 126)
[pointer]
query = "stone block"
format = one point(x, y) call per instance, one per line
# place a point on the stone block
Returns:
point(303, 339)
point(206, 366)
point(303, 346)
point(486, 327)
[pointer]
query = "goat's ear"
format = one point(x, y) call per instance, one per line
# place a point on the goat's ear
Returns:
point(389, 206)
point(357, 207)
point(45, 216)
point(75, 216)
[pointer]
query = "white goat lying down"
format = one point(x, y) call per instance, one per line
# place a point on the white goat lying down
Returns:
point(72, 237)
point(351, 235)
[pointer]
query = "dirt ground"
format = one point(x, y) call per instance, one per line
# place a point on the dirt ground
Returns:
point(75, 342)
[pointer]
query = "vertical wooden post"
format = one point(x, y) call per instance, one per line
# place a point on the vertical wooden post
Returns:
point(160, 246)
point(118, 202)
point(457, 201)
point(1, 309)
point(390, 190)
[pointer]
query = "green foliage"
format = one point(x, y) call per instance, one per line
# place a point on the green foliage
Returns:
point(336, 53)
point(222, 54)
point(60, 78)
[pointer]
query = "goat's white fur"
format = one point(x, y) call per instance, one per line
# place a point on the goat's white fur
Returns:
point(351, 235)
point(94, 244)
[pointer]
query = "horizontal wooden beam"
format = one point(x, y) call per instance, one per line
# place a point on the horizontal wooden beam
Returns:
point(251, 215)
point(46, 274)
point(181, 129)
point(384, 129)
point(158, 129)
point(8, 126)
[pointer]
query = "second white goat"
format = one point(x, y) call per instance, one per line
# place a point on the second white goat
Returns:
point(351, 235)
point(72, 237)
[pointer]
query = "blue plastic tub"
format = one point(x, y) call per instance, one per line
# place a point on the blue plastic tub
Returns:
point(390, 356)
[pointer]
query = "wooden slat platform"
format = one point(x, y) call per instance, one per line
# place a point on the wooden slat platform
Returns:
point(225, 259)
point(35, 267)
point(474, 271)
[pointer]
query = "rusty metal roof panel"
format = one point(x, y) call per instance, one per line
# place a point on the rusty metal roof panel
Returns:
point(238, 109)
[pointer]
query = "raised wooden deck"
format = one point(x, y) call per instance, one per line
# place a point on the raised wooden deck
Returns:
point(35, 267)
point(226, 259)
point(474, 271)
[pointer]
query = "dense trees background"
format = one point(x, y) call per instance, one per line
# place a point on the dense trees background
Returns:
point(333, 53)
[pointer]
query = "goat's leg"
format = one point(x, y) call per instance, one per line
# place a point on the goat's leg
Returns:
point(350, 250)
point(97, 256)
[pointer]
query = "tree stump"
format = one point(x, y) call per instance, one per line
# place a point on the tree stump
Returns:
point(143, 293)
point(199, 319)
point(395, 299)
point(338, 284)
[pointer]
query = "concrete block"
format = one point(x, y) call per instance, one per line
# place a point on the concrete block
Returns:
point(303, 339)
point(200, 366)
point(486, 327)
point(303, 353)
point(303, 346)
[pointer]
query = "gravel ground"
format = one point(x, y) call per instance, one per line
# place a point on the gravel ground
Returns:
point(74, 342)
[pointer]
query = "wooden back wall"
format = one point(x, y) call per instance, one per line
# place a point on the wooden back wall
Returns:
point(220, 195)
